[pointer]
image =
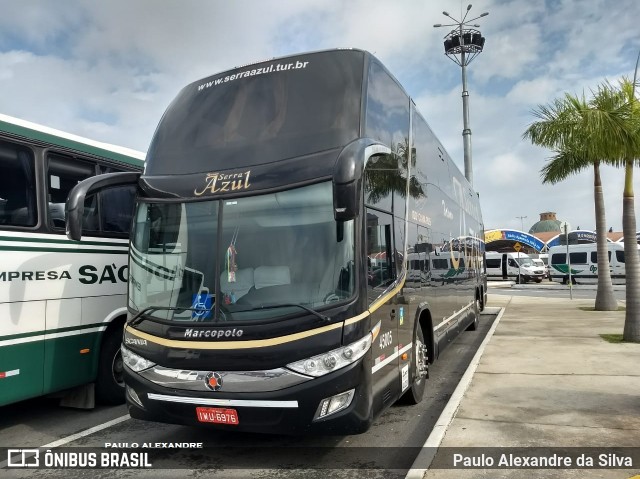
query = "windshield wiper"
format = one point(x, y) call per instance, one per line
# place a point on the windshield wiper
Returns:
point(138, 316)
point(282, 305)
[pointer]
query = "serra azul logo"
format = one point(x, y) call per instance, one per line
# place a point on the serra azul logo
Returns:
point(87, 274)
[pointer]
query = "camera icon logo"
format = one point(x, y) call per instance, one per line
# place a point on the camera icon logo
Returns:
point(23, 458)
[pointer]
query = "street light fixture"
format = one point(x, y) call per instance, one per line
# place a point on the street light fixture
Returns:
point(462, 45)
point(521, 221)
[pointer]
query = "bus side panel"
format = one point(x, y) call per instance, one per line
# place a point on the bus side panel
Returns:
point(66, 361)
point(103, 310)
point(21, 350)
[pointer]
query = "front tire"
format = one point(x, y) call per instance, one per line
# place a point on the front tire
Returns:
point(110, 380)
point(476, 316)
point(420, 364)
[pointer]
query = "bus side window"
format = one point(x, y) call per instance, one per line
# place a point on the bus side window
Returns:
point(17, 186)
point(62, 175)
point(90, 215)
point(116, 208)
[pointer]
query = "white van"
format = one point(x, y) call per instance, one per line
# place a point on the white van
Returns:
point(517, 266)
point(542, 261)
point(584, 263)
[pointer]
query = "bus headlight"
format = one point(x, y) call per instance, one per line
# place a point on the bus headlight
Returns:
point(334, 404)
point(135, 362)
point(333, 360)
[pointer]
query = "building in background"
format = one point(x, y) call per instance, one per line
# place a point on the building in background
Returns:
point(545, 233)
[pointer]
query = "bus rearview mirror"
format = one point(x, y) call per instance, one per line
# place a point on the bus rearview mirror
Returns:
point(74, 208)
point(345, 201)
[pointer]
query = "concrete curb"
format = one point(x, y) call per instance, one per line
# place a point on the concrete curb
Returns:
point(430, 447)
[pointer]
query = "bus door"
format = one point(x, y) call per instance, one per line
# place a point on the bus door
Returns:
point(383, 305)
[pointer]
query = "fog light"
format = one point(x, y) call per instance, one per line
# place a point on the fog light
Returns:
point(134, 396)
point(334, 404)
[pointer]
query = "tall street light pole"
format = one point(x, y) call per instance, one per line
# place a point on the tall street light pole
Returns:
point(521, 221)
point(462, 45)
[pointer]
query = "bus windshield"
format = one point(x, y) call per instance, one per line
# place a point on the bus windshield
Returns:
point(281, 248)
point(261, 113)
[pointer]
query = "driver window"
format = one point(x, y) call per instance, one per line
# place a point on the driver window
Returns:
point(380, 259)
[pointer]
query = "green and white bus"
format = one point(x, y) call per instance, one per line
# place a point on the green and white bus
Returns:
point(62, 303)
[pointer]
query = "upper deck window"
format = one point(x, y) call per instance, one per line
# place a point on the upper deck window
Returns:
point(261, 113)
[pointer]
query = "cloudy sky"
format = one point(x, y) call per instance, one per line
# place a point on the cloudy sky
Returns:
point(107, 70)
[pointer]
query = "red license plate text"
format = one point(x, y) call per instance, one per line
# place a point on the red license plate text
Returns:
point(217, 415)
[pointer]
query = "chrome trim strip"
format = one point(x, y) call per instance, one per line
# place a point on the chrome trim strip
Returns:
point(376, 149)
point(235, 345)
point(376, 367)
point(406, 348)
point(452, 317)
point(396, 353)
point(232, 381)
point(223, 402)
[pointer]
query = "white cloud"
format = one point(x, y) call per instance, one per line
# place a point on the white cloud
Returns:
point(108, 70)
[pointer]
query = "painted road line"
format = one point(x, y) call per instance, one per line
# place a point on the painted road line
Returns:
point(430, 447)
point(78, 435)
point(88, 432)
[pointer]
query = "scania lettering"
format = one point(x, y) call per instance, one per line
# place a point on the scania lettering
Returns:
point(62, 303)
point(276, 221)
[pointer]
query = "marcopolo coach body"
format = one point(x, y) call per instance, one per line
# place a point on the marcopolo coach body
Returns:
point(268, 255)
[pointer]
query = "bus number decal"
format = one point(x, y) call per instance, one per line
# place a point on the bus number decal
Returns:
point(386, 339)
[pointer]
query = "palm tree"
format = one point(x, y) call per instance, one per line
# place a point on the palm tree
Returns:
point(631, 156)
point(580, 133)
point(387, 174)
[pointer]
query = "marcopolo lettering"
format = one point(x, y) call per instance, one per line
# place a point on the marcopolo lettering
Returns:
point(213, 333)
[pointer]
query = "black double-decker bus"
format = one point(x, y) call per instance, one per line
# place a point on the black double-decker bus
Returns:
point(302, 249)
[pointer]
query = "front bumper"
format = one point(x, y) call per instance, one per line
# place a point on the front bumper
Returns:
point(286, 411)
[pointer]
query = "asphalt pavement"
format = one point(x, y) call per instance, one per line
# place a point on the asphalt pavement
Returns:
point(546, 379)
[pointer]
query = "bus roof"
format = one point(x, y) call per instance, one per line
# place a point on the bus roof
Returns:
point(33, 131)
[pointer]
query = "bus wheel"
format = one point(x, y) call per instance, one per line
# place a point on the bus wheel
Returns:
point(110, 380)
point(476, 316)
point(421, 371)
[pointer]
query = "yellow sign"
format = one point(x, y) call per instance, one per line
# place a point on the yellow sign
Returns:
point(517, 247)
point(494, 235)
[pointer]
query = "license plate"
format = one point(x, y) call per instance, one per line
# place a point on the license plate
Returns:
point(217, 415)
